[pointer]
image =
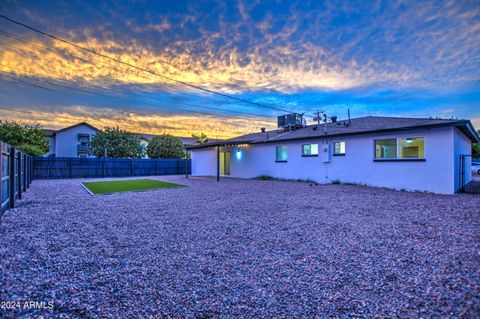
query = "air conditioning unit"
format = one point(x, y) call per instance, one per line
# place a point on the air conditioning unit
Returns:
point(290, 121)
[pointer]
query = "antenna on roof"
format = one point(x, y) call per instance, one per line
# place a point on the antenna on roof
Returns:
point(349, 121)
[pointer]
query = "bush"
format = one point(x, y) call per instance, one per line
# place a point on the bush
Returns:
point(31, 139)
point(265, 178)
point(117, 143)
point(165, 146)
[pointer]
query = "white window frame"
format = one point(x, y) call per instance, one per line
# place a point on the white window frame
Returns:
point(397, 158)
point(310, 155)
point(339, 154)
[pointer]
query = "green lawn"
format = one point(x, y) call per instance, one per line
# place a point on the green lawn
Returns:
point(129, 185)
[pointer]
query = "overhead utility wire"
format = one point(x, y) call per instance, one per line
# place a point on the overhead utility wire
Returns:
point(139, 68)
point(70, 95)
point(38, 44)
point(131, 100)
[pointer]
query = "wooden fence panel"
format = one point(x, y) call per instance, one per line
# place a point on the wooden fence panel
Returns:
point(14, 176)
point(5, 174)
point(63, 167)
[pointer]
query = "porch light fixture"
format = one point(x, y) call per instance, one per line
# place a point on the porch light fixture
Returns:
point(238, 154)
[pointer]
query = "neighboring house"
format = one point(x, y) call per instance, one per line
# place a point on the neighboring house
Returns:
point(74, 141)
point(399, 153)
point(71, 141)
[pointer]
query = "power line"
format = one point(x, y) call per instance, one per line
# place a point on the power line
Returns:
point(131, 100)
point(9, 35)
point(13, 36)
point(139, 68)
point(69, 95)
point(66, 117)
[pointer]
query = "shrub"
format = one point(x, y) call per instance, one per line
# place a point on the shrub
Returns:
point(165, 146)
point(116, 143)
point(265, 178)
point(30, 138)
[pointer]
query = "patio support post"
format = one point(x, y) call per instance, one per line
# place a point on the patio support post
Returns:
point(186, 163)
point(218, 163)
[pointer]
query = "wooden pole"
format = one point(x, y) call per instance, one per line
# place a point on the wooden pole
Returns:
point(186, 163)
point(218, 163)
point(24, 172)
point(19, 175)
point(27, 169)
point(11, 178)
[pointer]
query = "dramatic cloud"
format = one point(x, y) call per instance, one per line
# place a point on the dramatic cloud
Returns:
point(394, 58)
point(153, 123)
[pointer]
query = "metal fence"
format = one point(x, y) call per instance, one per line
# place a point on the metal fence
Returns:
point(72, 167)
point(16, 175)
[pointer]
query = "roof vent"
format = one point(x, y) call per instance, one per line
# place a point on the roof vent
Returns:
point(262, 129)
point(334, 119)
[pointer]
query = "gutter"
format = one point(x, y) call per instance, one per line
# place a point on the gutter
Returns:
point(460, 123)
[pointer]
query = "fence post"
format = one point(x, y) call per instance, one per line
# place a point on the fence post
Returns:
point(19, 175)
point(25, 172)
point(131, 167)
point(32, 169)
point(11, 178)
point(103, 166)
point(70, 167)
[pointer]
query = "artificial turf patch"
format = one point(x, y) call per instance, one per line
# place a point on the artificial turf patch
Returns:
point(128, 185)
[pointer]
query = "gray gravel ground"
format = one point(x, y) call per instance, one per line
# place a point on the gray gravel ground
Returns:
point(241, 248)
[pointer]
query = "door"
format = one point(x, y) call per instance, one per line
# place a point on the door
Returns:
point(225, 163)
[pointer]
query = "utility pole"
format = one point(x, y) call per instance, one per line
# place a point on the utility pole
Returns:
point(317, 117)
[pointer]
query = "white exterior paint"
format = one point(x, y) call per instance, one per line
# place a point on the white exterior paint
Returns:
point(436, 174)
point(144, 143)
point(63, 143)
point(66, 141)
point(204, 162)
point(51, 143)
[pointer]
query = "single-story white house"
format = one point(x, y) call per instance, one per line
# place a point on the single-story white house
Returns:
point(74, 141)
point(415, 154)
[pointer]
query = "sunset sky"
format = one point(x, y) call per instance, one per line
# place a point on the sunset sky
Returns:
point(393, 58)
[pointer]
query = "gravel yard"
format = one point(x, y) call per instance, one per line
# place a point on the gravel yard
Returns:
point(245, 248)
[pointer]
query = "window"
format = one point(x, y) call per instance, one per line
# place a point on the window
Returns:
point(339, 148)
point(83, 139)
point(401, 148)
point(281, 153)
point(411, 147)
point(310, 150)
point(386, 148)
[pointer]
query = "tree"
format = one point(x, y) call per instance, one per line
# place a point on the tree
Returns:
point(165, 146)
point(202, 138)
point(30, 138)
point(116, 143)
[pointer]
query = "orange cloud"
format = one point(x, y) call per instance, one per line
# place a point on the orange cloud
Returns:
point(179, 125)
point(283, 68)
